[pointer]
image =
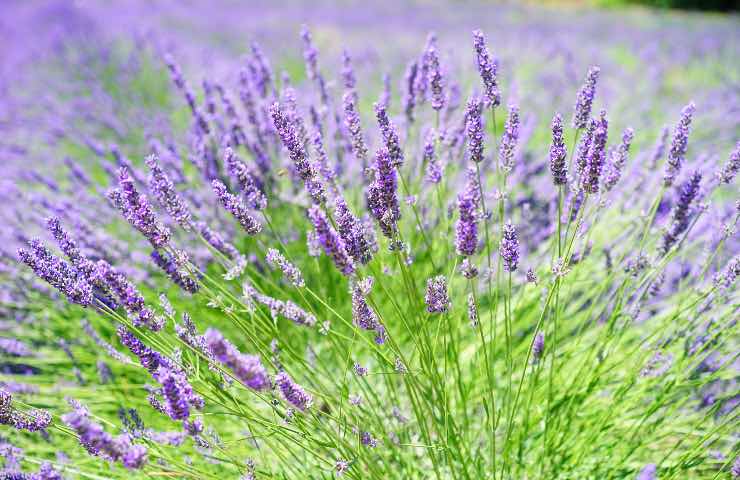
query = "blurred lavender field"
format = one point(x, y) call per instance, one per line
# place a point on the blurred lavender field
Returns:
point(626, 368)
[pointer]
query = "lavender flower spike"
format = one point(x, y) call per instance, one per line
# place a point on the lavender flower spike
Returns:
point(509, 140)
point(409, 93)
point(357, 242)
point(509, 248)
point(170, 267)
point(679, 145)
point(333, 244)
point(247, 368)
point(164, 191)
point(436, 298)
point(435, 78)
point(248, 182)
point(297, 151)
point(596, 156)
point(558, 153)
point(681, 212)
point(466, 229)
point(128, 296)
point(727, 174)
point(487, 70)
point(390, 136)
point(585, 99)
point(538, 346)
point(618, 160)
point(381, 195)
point(352, 122)
point(237, 208)
point(276, 259)
point(474, 129)
point(137, 210)
point(293, 393)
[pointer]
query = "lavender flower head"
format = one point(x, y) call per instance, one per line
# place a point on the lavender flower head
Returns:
point(509, 248)
point(276, 259)
point(681, 212)
point(330, 240)
point(585, 99)
point(436, 298)
point(348, 73)
point(466, 228)
point(137, 210)
point(164, 191)
point(435, 78)
point(558, 153)
point(356, 239)
point(236, 207)
point(292, 392)
point(246, 368)
point(618, 159)
point(390, 135)
point(474, 129)
point(409, 92)
point(352, 122)
point(487, 70)
point(362, 314)
point(382, 200)
point(509, 140)
point(248, 182)
point(649, 472)
point(596, 156)
point(538, 346)
point(434, 165)
point(679, 145)
point(297, 151)
point(727, 174)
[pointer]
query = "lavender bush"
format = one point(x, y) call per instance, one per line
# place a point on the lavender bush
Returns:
point(297, 268)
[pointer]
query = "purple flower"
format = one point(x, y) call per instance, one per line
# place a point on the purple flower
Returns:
point(509, 140)
point(246, 368)
point(409, 93)
point(330, 240)
point(509, 248)
point(248, 182)
point(31, 420)
point(381, 194)
point(297, 151)
point(276, 259)
point(679, 145)
point(487, 70)
point(558, 153)
point(352, 122)
point(472, 311)
point(237, 208)
point(584, 146)
point(649, 472)
point(435, 77)
point(618, 159)
point(362, 314)
point(348, 73)
point(164, 191)
point(136, 209)
point(538, 346)
point(585, 99)
point(174, 391)
point(434, 166)
point(172, 270)
point(727, 174)
point(466, 229)
point(215, 240)
point(681, 212)
point(596, 156)
point(735, 470)
point(474, 129)
point(292, 392)
point(287, 309)
point(390, 136)
point(436, 298)
point(57, 273)
point(128, 296)
point(353, 233)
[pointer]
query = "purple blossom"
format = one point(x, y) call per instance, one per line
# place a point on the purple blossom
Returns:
point(237, 208)
point(538, 346)
point(596, 156)
point(429, 158)
point(382, 199)
point(363, 314)
point(681, 212)
point(330, 240)
point(436, 298)
point(248, 182)
point(215, 240)
point(352, 123)
point(348, 73)
point(472, 311)
point(31, 420)
point(509, 140)
point(128, 296)
point(136, 210)
point(585, 99)
point(649, 472)
point(353, 232)
point(727, 174)
point(171, 268)
point(292, 392)
point(474, 129)
point(286, 308)
point(276, 259)
point(409, 92)
point(487, 70)
point(390, 135)
point(14, 347)
point(466, 228)
point(57, 273)
point(435, 78)
point(164, 191)
point(558, 153)
point(618, 159)
point(509, 248)
point(679, 145)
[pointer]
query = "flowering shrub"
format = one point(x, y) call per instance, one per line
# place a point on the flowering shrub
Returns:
point(337, 286)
